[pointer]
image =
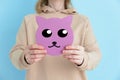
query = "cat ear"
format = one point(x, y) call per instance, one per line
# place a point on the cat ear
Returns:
point(68, 19)
point(40, 20)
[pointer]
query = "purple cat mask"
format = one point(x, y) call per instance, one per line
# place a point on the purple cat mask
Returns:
point(54, 34)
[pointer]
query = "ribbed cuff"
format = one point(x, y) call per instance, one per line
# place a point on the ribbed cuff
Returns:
point(26, 60)
point(23, 62)
point(83, 65)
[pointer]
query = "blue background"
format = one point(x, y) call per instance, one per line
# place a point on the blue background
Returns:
point(105, 19)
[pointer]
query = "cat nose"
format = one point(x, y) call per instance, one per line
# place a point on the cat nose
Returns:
point(54, 42)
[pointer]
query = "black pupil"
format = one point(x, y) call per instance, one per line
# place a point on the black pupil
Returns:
point(47, 33)
point(62, 33)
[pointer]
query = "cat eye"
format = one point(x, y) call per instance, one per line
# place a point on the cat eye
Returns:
point(62, 33)
point(46, 33)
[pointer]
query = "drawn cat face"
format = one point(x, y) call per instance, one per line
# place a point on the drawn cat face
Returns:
point(54, 34)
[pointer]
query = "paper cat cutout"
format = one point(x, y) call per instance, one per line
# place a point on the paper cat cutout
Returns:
point(54, 34)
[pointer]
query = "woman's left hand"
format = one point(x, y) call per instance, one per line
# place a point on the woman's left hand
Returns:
point(74, 54)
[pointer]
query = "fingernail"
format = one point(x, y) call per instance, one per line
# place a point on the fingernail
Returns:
point(64, 51)
point(45, 51)
point(67, 47)
point(42, 47)
point(37, 59)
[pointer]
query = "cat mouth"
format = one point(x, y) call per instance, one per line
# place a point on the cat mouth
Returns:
point(54, 45)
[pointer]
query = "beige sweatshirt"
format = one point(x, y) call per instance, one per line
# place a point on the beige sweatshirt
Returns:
point(56, 67)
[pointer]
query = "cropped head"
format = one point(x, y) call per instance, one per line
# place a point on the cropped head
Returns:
point(41, 3)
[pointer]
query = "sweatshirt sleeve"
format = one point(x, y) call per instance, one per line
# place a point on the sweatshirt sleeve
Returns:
point(92, 54)
point(17, 52)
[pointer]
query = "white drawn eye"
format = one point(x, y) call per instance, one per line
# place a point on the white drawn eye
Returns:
point(62, 33)
point(46, 33)
point(49, 31)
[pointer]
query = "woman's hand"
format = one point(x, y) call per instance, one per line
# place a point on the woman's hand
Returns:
point(74, 54)
point(34, 53)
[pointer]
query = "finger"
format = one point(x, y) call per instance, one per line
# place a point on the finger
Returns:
point(77, 57)
point(38, 59)
point(73, 52)
point(36, 46)
point(38, 52)
point(74, 47)
point(76, 61)
point(37, 56)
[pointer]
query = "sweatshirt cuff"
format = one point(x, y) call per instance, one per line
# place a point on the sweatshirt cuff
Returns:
point(83, 66)
point(23, 62)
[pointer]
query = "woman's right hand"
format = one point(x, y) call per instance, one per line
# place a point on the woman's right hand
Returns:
point(34, 53)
